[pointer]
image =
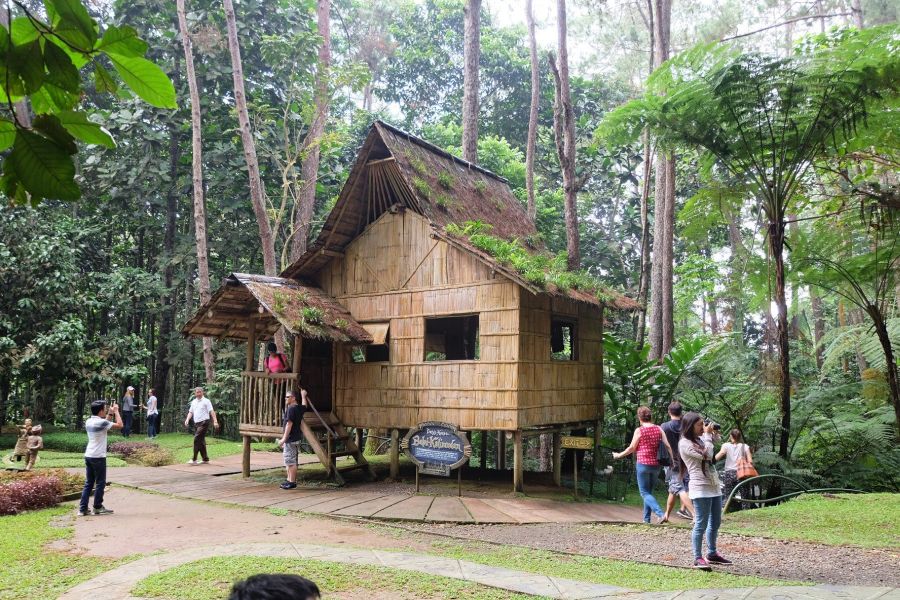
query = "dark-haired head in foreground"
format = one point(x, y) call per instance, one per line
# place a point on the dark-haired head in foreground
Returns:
point(275, 587)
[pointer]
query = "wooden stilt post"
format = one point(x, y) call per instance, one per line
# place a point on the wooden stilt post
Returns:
point(557, 459)
point(298, 354)
point(395, 454)
point(245, 462)
point(518, 459)
point(483, 453)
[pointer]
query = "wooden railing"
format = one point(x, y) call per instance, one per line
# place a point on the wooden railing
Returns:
point(262, 401)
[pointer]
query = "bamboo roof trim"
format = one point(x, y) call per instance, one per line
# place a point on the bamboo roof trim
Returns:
point(301, 308)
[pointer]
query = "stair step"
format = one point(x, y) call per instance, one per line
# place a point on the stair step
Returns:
point(353, 467)
point(340, 453)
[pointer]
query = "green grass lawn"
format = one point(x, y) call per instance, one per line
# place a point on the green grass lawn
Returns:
point(864, 520)
point(54, 459)
point(210, 579)
point(31, 571)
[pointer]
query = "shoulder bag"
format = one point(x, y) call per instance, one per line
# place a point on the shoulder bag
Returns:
point(745, 466)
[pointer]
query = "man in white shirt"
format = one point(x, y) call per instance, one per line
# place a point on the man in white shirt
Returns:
point(95, 456)
point(201, 411)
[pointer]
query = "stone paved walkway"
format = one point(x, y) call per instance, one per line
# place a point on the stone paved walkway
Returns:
point(200, 482)
point(117, 584)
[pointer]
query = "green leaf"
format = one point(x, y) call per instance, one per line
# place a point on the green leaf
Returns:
point(7, 134)
point(52, 99)
point(103, 80)
point(60, 69)
point(78, 125)
point(23, 31)
point(79, 59)
point(43, 167)
point(146, 80)
point(122, 41)
point(27, 65)
point(50, 126)
point(72, 23)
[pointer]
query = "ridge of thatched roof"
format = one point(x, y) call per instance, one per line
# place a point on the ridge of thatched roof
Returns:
point(300, 307)
point(396, 170)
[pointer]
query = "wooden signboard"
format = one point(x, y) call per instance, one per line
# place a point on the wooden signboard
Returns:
point(576, 443)
point(437, 448)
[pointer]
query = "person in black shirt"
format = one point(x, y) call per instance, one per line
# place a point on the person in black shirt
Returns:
point(290, 439)
point(676, 475)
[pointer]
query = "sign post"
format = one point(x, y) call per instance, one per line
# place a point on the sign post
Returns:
point(576, 443)
point(437, 448)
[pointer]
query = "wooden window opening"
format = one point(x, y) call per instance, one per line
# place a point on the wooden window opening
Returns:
point(452, 338)
point(379, 349)
point(563, 339)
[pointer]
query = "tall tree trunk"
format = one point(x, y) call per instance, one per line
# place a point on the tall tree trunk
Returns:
point(818, 312)
point(197, 179)
point(5, 385)
point(257, 196)
point(662, 325)
point(856, 9)
point(891, 364)
point(736, 243)
point(564, 128)
point(842, 322)
point(713, 315)
point(169, 299)
point(472, 56)
point(531, 144)
point(644, 279)
point(776, 245)
point(309, 168)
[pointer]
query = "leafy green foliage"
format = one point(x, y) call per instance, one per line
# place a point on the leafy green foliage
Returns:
point(41, 62)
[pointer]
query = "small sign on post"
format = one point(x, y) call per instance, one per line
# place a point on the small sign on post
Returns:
point(572, 442)
point(437, 448)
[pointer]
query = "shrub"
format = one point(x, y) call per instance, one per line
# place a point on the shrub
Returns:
point(29, 494)
point(422, 187)
point(445, 179)
point(154, 456)
point(128, 449)
point(69, 482)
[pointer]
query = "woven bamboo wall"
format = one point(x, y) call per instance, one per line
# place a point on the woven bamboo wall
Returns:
point(396, 271)
point(553, 391)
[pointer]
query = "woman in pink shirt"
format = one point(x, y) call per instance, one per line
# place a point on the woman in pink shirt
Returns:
point(645, 442)
point(275, 362)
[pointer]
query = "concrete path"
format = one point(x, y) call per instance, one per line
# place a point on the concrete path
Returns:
point(200, 482)
point(118, 583)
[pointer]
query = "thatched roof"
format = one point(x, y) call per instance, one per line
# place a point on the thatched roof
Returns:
point(397, 171)
point(302, 308)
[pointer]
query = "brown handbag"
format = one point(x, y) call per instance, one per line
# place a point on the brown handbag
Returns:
point(745, 466)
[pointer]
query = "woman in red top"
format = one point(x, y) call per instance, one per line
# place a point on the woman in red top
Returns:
point(645, 442)
point(275, 362)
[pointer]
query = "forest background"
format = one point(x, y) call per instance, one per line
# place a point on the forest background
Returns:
point(95, 290)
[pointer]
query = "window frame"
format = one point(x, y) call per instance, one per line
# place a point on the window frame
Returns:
point(564, 321)
point(464, 315)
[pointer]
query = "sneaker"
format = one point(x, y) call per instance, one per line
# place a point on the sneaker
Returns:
point(81, 513)
point(718, 559)
point(702, 564)
point(102, 511)
point(192, 462)
point(685, 514)
point(205, 462)
point(660, 520)
point(288, 485)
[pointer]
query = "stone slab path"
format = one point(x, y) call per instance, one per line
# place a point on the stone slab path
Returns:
point(118, 583)
point(202, 482)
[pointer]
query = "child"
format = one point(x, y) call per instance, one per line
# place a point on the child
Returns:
point(35, 443)
point(22, 441)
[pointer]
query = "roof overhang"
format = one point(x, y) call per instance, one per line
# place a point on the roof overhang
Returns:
point(273, 302)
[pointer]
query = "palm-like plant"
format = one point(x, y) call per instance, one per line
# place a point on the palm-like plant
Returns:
point(766, 119)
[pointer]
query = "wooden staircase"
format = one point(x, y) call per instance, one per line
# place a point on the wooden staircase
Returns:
point(330, 440)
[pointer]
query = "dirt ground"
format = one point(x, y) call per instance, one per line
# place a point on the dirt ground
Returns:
point(146, 523)
point(794, 561)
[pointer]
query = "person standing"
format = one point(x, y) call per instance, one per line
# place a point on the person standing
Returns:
point(201, 411)
point(152, 414)
point(645, 442)
point(676, 474)
point(275, 362)
point(696, 449)
point(127, 411)
point(290, 439)
point(733, 450)
point(97, 426)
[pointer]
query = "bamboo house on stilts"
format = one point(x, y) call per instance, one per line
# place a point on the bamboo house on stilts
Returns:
point(396, 321)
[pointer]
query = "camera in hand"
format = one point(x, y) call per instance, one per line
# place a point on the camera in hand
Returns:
point(715, 425)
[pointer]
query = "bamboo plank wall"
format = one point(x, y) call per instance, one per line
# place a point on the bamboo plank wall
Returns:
point(396, 271)
point(553, 391)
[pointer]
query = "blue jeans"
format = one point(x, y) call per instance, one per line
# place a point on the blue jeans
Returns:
point(707, 517)
point(152, 428)
point(127, 417)
point(94, 477)
point(646, 480)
